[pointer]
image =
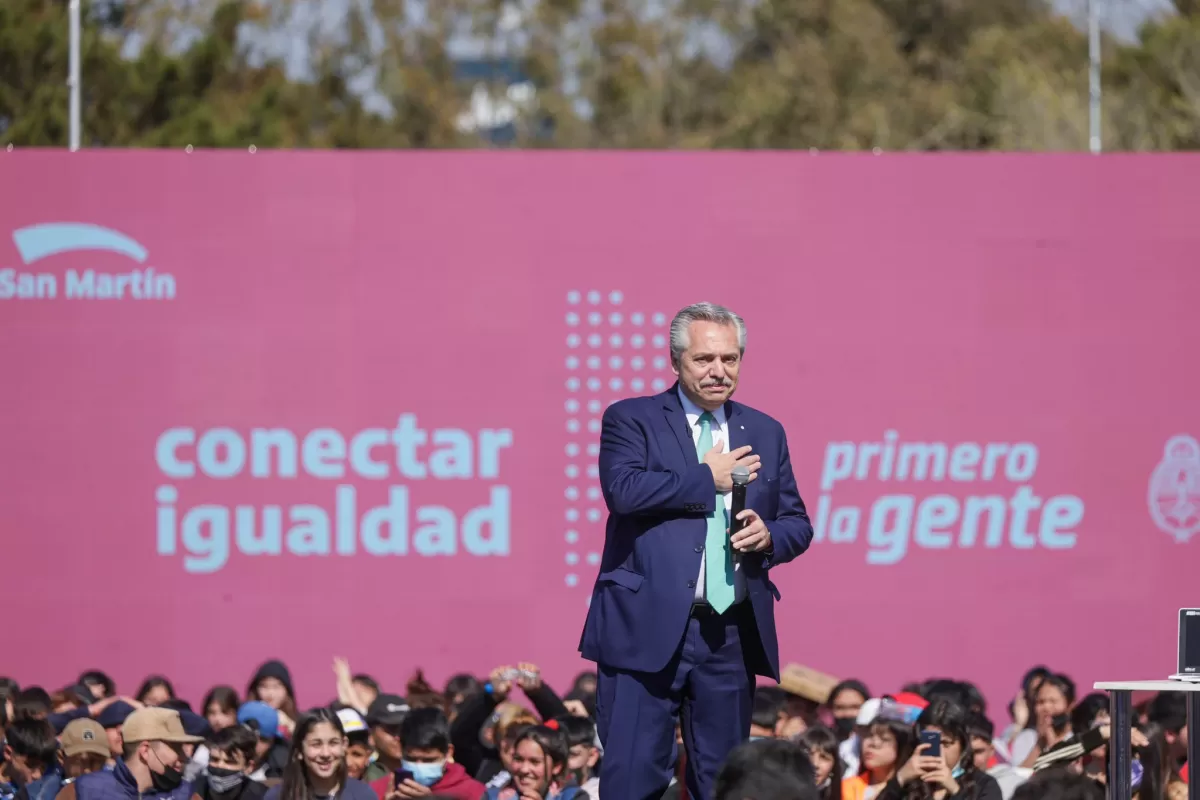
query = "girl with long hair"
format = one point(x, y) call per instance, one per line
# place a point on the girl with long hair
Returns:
point(1019, 738)
point(316, 767)
point(845, 701)
point(952, 774)
point(220, 707)
point(1052, 722)
point(821, 744)
point(272, 684)
point(539, 768)
point(155, 691)
point(220, 712)
point(1160, 778)
point(887, 744)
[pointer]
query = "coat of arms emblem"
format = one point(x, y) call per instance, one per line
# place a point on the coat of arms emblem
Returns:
point(1174, 495)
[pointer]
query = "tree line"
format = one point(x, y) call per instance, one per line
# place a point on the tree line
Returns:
point(778, 74)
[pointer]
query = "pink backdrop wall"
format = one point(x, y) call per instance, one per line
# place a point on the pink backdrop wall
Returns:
point(1022, 328)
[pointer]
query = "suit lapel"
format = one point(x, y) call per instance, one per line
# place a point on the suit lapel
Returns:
point(740, 436)
point(735, 421)
point(677, 422)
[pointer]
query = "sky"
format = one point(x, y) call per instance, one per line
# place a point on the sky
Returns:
point(1120, 18)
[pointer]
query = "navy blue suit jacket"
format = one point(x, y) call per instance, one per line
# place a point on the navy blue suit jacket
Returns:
point(659, 496)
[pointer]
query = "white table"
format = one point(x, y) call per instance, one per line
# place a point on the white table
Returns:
point(1119, 749)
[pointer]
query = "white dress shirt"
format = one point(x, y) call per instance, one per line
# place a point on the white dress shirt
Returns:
point(720, 434)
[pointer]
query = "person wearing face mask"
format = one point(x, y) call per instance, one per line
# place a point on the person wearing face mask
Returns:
point(429, 760)
point(845, 701)
point(950, 775)
point(231, 753)
point(151, 766)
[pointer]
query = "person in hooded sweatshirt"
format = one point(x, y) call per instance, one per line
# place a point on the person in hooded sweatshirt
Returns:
point(231, 758)
point(428, 754)
point(272, 684)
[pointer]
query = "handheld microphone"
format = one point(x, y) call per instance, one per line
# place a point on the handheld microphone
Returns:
point(741, 478)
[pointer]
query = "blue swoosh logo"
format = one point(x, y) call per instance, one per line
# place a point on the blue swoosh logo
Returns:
point(40, 241)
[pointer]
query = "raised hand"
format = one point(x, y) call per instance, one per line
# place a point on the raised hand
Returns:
point(530, 678)
point(501, 682)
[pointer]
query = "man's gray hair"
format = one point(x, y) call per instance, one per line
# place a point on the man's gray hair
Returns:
point(703, 312)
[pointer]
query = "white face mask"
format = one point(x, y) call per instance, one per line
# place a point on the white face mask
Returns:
point(224, 780)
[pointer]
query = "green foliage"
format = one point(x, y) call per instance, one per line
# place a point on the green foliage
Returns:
point(831, 74)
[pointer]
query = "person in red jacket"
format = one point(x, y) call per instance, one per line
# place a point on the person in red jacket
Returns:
point(428, 766)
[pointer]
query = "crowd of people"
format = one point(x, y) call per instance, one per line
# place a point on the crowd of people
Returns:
point(509, 736)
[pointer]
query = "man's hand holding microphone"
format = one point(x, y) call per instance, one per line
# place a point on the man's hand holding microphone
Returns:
point(752, 536)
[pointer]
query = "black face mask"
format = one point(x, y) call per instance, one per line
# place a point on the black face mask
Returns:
point(844, 726)
point(166, 781)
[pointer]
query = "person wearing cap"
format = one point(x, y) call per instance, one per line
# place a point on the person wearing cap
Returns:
point(888, 738)
point(384, 715)
point(151, 765)
point(271, 752)
point(84, 748)
point(358, 742)
point(112, 719)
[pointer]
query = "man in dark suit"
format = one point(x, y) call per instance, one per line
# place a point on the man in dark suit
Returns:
point(682, 616)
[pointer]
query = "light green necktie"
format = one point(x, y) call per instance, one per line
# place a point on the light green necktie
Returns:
point(718, 563)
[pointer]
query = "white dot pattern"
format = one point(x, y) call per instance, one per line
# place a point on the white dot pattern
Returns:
point(622, 356)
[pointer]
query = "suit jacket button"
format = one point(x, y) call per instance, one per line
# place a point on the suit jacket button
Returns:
point(699, 549)
point(691, 584)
